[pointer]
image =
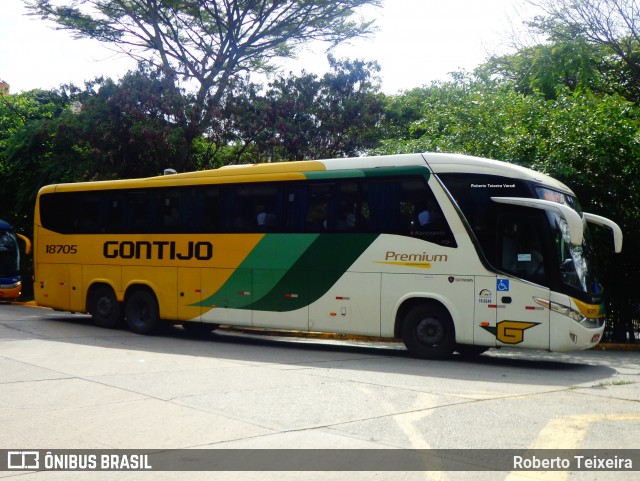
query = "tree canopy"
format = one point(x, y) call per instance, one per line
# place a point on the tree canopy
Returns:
point(604, 36)
point(201, 45)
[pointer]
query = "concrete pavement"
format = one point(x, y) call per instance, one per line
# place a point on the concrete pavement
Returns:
point(67, 384)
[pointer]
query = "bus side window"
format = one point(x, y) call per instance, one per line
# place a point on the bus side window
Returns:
point(138, 220)
point(115, 213)
point(383, 198)
point(143, 211)
point(406, 206)
point(88, 214)
point(346, 214)
point(297, 201)
point(521, 248)
point(210, 200)
point(320, 195)
point(57, 212)
point(255, 207)
point(171, 212)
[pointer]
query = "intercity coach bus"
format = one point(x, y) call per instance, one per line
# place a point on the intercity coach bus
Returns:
point(447, 252)
point(10, 277)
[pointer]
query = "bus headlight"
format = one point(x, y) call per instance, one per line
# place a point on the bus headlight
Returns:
point(562, 309)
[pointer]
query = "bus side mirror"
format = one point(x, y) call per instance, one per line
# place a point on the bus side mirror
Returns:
point(573, 219)
point(27, 243)
point(617, 232)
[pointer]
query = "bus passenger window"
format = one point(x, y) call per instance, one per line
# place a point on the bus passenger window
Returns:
point(266, 220)
point(320, 197)
point(406, 206)
point(211, 217)
point(171, 212)
point(255, 207)
point(88, 215)
point(346, 221)
point(317, 217)
point(522, 253)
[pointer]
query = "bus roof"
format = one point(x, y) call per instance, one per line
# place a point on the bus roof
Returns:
point(438, 163)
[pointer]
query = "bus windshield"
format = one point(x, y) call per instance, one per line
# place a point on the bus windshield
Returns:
point(577, 263)
point(532, 244)
point(9, 254)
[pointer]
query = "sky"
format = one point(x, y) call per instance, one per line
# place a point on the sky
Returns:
point(419, 41)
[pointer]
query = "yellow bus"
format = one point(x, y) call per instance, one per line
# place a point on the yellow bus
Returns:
point(447, 252)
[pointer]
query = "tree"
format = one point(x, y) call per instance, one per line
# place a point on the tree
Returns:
point(16, 112)
point(105, 130)
point(612, 25)
point(551, 68)
point(300, 117)
point(335, 115)
point(206, 43)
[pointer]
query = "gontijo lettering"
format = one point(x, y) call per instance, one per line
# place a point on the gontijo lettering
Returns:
point(202, 251)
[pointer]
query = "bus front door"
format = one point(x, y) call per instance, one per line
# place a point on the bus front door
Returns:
point(520, 320)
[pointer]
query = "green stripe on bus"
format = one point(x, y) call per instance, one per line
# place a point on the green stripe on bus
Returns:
point(315, 272)
point(334, 174)
point(376, 172)
point(274, 255)
point(288, 272)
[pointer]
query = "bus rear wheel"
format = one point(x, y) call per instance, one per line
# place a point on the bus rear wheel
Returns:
point(104, 307)
point(141, 312)
point(428, 332)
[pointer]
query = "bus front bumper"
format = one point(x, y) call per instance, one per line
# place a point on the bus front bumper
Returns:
point(569, 335)
point(9, 292)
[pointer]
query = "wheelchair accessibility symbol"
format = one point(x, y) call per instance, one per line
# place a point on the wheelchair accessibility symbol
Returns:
point(502, 285)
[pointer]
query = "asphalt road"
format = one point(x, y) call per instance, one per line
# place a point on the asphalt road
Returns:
point(65, 384)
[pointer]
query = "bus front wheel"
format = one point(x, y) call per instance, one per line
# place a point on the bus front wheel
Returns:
point(428, 332)
point(141, 312)
point(104, 307)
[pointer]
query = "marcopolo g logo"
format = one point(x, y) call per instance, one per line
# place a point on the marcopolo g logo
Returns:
point(202, 251)
point(510, 332)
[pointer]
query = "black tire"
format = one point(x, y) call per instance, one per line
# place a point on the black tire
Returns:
point(199, 328)
point(141, 312)
point(428, 332)
point(470, 351)
point(104, 307)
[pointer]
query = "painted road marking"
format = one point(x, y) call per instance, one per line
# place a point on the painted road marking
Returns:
point(567, 432)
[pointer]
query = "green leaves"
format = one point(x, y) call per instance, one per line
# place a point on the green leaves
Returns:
point(303, 117)
point(203, 44)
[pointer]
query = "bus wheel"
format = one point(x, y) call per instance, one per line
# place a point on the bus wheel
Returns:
point(468, 350)
point(428, 332)
point(104, 307)
point(141, 312)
